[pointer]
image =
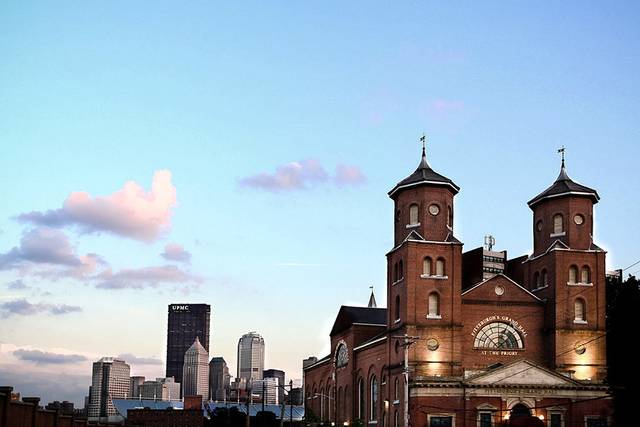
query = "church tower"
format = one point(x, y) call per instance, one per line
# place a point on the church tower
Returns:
point(567, 269)
point(424, 273)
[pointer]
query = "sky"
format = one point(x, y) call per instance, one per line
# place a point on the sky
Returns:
point(239, 154)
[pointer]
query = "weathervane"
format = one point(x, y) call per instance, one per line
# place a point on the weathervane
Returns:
point(561, 150)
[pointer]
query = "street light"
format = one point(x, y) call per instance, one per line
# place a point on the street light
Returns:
point(315, 396)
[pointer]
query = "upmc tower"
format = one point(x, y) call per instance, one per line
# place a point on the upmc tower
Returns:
point(185, 323)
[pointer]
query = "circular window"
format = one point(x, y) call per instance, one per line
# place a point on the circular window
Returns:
point(499, 290)
point(578, 219)
point(434, 209)
point(539, 225)
point(580, 348)
point(432, 344)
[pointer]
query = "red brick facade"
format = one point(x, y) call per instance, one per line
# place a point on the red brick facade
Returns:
point(528, 343)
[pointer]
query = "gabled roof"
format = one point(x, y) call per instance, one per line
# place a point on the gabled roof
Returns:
point(522, 372)
point(424, 175)
point(563, 186)
point(508, 279)
point(348, 315)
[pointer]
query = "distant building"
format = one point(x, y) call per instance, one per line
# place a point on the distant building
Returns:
point(309, 361)
point(186, 322)
point(276, 373)
point(295, 396)
point(266, 390)
point(134, 386)
point(161, 389)
point(195, 372)
point(219, 379)
point(110, 381)
point(190, 416)
point(481, 264)
point(64, 407)
point(251, 356)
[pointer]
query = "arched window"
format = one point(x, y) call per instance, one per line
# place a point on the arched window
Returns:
point(426, 266)
point(400, 270)
point(557, 224)
point(361, 399)
point(579, 308)
point(498, 335)
point(536, 279)
point(450, 217)
point(543, 278)
point(397, 307)
point(395, 419)
point(373, 390)
point(321, 398)
point(345, 404)
point(339, 404)
point(585, 274)
point(573, 274)
point(396, 390)
point(440, 267)
point(395, 272)
point(413, 215)
point(434, 305)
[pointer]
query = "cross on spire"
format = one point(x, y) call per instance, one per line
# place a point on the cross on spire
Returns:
point(561, 150)
point(423, 139)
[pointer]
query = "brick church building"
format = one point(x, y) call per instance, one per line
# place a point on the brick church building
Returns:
point(474, 339)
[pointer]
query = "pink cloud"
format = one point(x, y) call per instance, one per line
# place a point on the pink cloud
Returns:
point(303, 175)
point(130, 212)
point(175, 252)
point(139, 278)
point(447, 106)
point(292, 176)
point(349, 175)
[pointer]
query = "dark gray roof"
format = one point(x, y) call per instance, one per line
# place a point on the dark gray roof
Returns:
point(424, 175)
point(565, 186)
point(348, 315)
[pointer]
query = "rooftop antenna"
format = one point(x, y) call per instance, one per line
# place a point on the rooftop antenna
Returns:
point(489, 241)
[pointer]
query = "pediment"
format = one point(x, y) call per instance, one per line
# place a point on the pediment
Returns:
point(509, 291)
point(521, 372)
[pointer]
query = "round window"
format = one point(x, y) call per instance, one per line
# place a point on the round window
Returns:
point(580, 348)
point(432, 344)
point(578, 219)
point(434, 209)
point(499, 290)
point(539, 225)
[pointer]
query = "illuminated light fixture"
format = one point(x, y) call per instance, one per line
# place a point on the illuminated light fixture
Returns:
point(345, 424)
point(332, 423)
point(541, 417)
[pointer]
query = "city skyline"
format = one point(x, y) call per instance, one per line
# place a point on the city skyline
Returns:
point(239, 156)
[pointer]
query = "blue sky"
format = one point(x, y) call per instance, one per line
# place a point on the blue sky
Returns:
point(222, 96)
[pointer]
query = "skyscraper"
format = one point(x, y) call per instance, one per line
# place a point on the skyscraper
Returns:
point(219, 379)
point(110, 381)
point(251, 356)
point(186, 322)
point(276, 373)
point(195, 373)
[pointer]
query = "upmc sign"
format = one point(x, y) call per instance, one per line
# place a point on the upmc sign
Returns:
point(179, 308)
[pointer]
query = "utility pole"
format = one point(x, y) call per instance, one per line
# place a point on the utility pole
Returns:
point(407, 341)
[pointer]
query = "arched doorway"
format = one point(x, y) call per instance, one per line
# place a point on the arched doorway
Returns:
point(520, 410)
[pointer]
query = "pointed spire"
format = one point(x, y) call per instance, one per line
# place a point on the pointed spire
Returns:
point(372, 299)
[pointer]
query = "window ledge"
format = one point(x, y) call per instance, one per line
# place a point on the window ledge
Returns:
point(416, 225)
point(397, 281)
point(396, 321)
point(431, 276)
point(580, 322)
point(396, 402)
point(437, 316)
point(579, 284)
point(558, 234)
point(373, 422)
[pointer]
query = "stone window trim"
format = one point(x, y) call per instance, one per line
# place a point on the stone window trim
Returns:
point(416, 225)
point(579, 284)
point(562, 233)
point(433, 276)
point(434, 316)
point(396, 321)
point(400, 280)
point(438, 415)
point(579, 322)
point(396, 402)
